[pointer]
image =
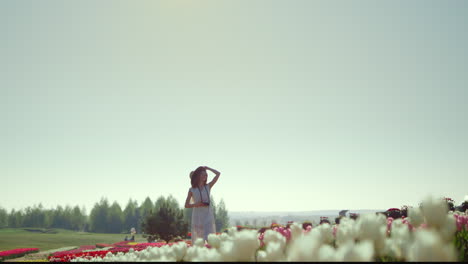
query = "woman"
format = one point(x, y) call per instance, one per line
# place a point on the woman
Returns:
point(198, 198)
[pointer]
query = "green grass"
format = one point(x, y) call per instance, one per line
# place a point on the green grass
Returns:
point(11, 238)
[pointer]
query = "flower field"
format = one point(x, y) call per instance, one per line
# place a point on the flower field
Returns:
point(15, 253)
point(90, 252)
point(428, 233)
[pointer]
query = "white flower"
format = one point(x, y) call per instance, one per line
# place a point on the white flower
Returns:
point(214, 240)
point(223, 237)
point(391, 249)
point(434, 211)
point(273, 236)
point(274, 251)
point(346, 231)
point(275, 247)
point(372, 227)
point(206, 254)
point(326, 253)
point(199, 242)
point(415, 217)
point(305, 248)
point(447, 231)
point(429, 246)
point(232, 230)
point(296, 230)
point(350, 251)
point(397, 245)
point(326, 232)
point(242, 246)
point(179, 250)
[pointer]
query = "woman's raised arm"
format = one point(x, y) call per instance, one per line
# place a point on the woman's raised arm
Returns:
point(215, 179)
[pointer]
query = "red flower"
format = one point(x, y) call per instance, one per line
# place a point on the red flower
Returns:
point(14, 253)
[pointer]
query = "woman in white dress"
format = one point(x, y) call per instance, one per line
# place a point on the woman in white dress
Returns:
point(198, 198)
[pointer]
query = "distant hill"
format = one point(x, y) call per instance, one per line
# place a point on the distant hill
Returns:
point(265, 218)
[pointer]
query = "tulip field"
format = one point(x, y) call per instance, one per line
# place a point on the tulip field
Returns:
point(428, 233)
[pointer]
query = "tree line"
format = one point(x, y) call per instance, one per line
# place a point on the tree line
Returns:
point(105, 217)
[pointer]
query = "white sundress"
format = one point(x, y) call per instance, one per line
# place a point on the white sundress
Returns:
point(203, 222)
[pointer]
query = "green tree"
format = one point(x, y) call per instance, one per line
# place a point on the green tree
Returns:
point(115, 218)
point(167, 223)
point(49, 217)
point(38, 215)
point(58, 218)
point(131, 215)
point(172, 202)
point(98, 217)
point(67, 217)
point(158, 203)
point(188, 216)
point(15, 219)
point(222, 216)
point(145, 209)
point(3, 217)
point(214, 208)
point(78, 219)
point(27, 217)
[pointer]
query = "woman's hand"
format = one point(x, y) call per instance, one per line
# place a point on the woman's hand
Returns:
point(199, 205)
point(210, 169)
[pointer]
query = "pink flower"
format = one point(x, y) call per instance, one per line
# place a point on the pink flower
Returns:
point(461, 221)
point(389, 224)
point(406, 222)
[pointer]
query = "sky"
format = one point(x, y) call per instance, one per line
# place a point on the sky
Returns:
point(301, 105)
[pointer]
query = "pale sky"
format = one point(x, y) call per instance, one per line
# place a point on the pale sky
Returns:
point(301, 105)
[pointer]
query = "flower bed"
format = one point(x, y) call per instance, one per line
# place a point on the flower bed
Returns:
point(428, 233)
point(16, 253)
point(103, 245)
point(51, 251)
point(81, 249)
point(68, 256)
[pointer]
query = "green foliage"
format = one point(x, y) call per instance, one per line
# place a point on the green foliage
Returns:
point(222, 218)
point(3, 218)
point(145, 209)
point(131, 215)
point(461, 244)
point(77, 219)
point(15, 219)
point(188, 215)
point(98, 217)
point(167, 223)
point(106, 219)
point(103, 218)
point(158, 203)
point(60, 217)
point(115, 219)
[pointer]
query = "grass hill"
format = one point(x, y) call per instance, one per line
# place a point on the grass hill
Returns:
point(46, 239)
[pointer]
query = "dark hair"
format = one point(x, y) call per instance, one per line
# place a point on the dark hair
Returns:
point(195, 176)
